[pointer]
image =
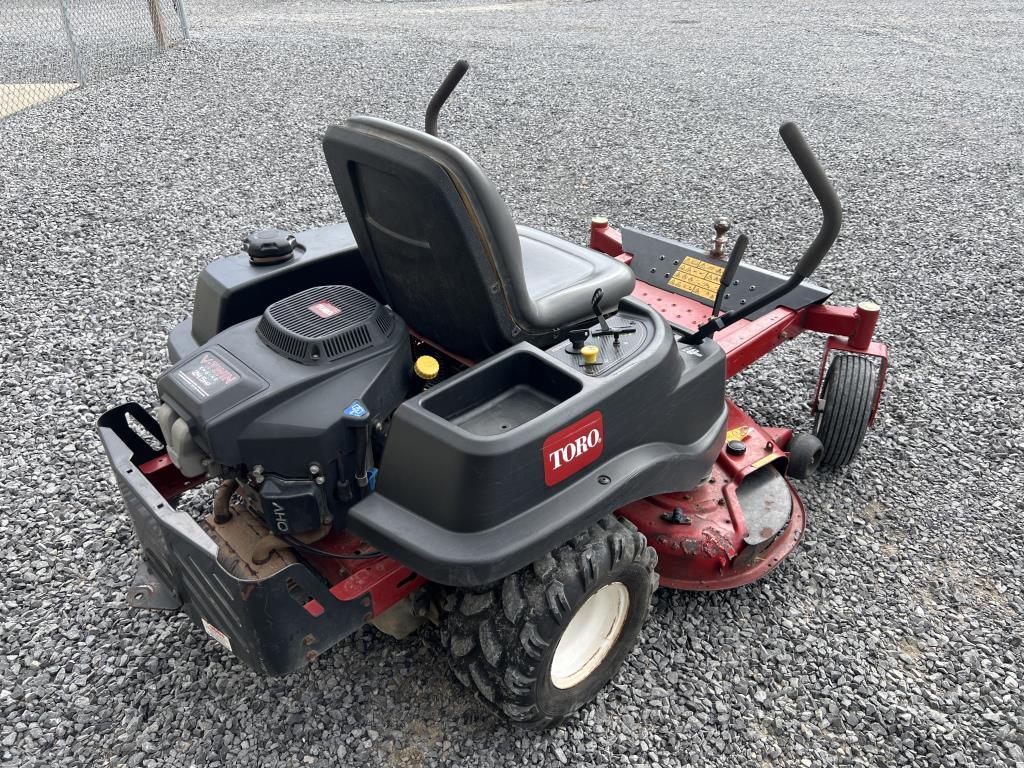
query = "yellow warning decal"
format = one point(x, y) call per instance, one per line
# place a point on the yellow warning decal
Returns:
point(698, 278)
point(738, 433)
point(764, 460)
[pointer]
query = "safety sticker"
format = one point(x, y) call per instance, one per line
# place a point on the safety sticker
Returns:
point(207, 375)
point(217, 635)
point(698, 278)
point(764, 460)
point(738, 433)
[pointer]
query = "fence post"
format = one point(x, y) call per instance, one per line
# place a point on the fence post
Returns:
point(180, 7)
point(76, 61)
point(157, 19)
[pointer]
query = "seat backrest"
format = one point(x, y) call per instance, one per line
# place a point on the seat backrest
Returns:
point(434, 233)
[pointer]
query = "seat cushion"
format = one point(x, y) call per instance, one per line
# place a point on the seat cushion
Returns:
point(561, 277)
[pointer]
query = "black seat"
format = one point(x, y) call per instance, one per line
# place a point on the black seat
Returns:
point(443, 250)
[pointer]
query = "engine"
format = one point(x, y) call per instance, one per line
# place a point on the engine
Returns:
point(291, 404)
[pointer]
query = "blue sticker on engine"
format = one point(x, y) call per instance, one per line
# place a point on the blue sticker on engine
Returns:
point(357, 410)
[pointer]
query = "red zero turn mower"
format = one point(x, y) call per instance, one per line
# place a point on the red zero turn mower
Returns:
point(432, 414)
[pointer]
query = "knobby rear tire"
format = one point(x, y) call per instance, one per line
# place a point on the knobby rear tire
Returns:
point(501, 639)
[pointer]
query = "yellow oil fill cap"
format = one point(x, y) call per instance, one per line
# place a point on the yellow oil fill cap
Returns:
point(427, 367)
point(589, 353)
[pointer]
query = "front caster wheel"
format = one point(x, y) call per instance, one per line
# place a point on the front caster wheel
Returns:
point(842, 422)
point(539, 644)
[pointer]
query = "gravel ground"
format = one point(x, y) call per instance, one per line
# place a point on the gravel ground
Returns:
point(891, 637)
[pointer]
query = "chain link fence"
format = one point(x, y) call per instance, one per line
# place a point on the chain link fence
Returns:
point(49, 47)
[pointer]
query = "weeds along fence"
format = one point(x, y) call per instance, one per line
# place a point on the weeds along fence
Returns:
point(50, 47)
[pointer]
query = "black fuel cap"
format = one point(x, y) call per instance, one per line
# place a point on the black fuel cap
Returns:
point(269, 246)
point(736, 447)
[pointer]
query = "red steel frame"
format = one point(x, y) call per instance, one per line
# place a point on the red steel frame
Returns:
point(699, 534)
point(850, 328)
point(379, 581)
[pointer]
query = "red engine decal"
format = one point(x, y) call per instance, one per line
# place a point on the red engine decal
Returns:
point(571, 449)
point(324, 309)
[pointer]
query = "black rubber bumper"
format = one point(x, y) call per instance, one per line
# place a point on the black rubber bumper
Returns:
point(266, 622)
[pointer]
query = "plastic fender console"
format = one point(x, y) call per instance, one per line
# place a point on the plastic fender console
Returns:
point(512, 457)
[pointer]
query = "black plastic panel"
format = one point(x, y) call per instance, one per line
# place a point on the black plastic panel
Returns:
point(465, 507)
point(498, 398)
point(612, 354)
point(688, 271)
point(232, 289)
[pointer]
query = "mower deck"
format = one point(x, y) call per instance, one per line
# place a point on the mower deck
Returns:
point(732, 529)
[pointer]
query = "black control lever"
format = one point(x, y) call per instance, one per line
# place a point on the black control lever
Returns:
point(578, 338)
point(457, 72)
point(615, 333)
point(729, 273)
point(831, 208)
point(832, 220)
point(595, 307)
point(606, 330)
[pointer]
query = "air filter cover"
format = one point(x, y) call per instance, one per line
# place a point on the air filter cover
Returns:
point(324, 324)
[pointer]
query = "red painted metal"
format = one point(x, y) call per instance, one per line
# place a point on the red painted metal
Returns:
point(314, 608)
point(167, 479)
point(749, 340)
point(856, 323)
point(867, 319)
point(761, 447)
point(604, 237)
point(825, 318)
point(678, 310)
point(698, 534)
point(873, 349)
point(383, 584)
point(379, 581)
point(780, 435)
point(743, 343)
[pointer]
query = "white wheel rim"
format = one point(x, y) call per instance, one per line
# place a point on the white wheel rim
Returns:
point(590, 636)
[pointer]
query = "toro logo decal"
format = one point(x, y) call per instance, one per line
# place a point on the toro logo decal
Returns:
point(571, 449)
point(324, 309)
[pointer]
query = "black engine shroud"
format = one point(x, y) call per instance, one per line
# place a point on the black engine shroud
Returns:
point(292, 397)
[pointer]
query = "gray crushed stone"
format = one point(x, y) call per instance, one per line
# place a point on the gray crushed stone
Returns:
point(891, 637)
